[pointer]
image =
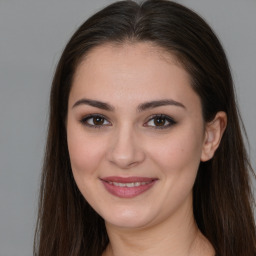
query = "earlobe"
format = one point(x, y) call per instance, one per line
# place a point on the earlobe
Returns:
point(213, 134)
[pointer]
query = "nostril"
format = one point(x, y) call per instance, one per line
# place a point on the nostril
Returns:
point(124, 163)
point(127, 158)
point(125, 152)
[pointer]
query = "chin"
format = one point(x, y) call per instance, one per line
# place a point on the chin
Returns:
point(128, 218)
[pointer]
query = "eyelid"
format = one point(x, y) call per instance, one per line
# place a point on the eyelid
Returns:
point(84, 120)
point(169, 119)
point(166, 117)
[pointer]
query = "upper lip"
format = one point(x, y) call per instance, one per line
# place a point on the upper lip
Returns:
point(127, 179)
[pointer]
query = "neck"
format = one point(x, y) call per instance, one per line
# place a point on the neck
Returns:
point(176, 236)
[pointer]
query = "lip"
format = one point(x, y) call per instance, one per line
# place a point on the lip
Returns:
point(127, 187)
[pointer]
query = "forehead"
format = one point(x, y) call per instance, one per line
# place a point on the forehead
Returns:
point(118, 58)
point(136, 71)
point(147, 47)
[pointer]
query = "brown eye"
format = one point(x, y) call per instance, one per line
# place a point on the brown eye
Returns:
point(98, 120)
point(160, 122)
point(95, 121)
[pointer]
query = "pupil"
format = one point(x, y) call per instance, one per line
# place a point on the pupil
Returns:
point(98, 120)
point(160, 121)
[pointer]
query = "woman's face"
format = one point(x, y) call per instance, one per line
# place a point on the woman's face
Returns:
point(135, 134)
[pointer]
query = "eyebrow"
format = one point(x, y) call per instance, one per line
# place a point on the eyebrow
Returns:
point(159, 103)
point(94, 103)
point(141, 107)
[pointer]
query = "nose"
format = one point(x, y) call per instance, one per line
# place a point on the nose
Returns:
point(125, 150)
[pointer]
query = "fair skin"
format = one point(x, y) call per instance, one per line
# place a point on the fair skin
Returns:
point(133, 113)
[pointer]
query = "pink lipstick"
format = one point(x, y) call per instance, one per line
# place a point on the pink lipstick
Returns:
point(127, 187)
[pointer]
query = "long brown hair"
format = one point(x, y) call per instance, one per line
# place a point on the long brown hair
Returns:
point(223, 201)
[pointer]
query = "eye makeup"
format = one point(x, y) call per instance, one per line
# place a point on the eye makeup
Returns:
point(160, 121)
point(95, 121)
point(157, 121)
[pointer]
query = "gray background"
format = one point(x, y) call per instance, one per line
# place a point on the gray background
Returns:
point(32, 36)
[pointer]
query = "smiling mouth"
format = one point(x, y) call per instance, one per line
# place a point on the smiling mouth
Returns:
point(127, 187)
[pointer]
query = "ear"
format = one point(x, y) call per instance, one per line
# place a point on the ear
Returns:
point(213, 134)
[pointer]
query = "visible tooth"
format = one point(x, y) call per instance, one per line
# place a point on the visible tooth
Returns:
point(121, 184)
point(129, 185)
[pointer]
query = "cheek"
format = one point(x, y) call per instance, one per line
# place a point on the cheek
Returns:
point(178, 159)
point(85, 152)
point(179, 153)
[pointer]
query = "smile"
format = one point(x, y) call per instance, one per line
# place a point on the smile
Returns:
point(127, 187)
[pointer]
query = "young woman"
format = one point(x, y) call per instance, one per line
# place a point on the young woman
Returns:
point(145, 153)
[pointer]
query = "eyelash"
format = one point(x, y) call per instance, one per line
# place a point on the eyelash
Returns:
point(84, 121)
point(166, 118)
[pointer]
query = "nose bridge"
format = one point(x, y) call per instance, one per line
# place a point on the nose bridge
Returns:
point(125, 150)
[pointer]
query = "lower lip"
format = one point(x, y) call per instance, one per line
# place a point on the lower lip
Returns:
point(127, 192)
